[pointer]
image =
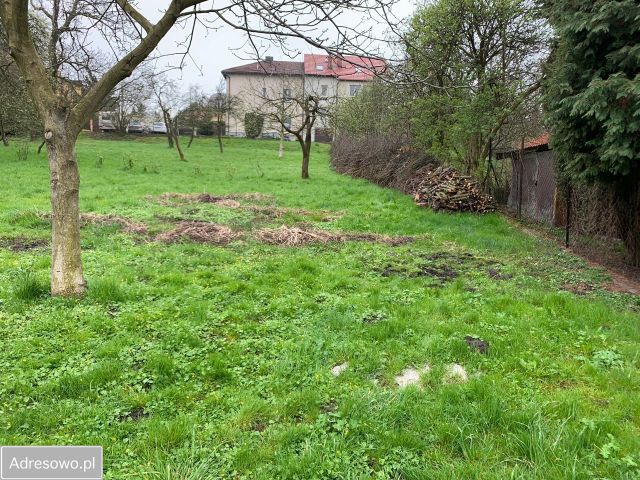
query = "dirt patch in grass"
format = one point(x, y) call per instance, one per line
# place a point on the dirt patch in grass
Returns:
point(497, 275)
point(134, 415)
point(127, 225)
point(330, 407)
point(199, 232)
point(440, 272)
point(440, 266)
point(230, 201)
point(303, 235)
point(477, 344)
point(580, 289)
point(22, 244)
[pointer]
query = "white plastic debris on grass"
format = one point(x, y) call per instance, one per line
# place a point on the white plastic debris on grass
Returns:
point(337, 370)
point(410, 376)
point(455, 373)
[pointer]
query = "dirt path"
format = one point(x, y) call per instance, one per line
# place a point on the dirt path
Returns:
point(620, 282)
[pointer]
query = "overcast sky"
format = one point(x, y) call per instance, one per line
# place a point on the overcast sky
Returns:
point(213, 51)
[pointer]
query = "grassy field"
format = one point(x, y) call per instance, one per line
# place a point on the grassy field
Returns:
point(196, 361)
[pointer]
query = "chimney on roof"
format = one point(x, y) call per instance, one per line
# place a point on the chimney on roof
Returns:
point(268, 59)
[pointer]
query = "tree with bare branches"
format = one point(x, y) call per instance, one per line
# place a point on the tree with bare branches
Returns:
point(129, 99)
point(294, 109)
point(195, 111)
point(221, 105)
point(132, 38)
point(165, 94)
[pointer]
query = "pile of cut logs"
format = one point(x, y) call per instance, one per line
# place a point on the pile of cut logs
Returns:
point(443, 188)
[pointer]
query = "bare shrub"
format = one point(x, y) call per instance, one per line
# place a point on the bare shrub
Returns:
point(385, 160)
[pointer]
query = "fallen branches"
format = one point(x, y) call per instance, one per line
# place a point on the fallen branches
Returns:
point(444, 188)
point(230, 201)
point(300, 235)
point(199, 232)
point(128, 225)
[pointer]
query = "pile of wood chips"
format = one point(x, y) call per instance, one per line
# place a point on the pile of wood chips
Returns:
point(443, 188)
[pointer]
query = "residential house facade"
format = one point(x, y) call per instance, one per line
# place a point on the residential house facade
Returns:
point(327, 77)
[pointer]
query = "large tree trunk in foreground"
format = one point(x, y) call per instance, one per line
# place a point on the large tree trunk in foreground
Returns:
point(67, 278)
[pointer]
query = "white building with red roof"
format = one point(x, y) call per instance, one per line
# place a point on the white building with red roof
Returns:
point(328, 77)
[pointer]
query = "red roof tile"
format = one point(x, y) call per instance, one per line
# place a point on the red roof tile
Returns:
point(349, 67)
point(537, 142)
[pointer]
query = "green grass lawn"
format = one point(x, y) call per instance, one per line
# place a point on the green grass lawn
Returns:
point(193, 361)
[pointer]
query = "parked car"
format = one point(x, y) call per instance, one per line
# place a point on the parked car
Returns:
point(105, 122)
point(135, 126)
point(159, 127)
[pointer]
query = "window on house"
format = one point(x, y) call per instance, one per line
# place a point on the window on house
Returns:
point(319, 67)
point(354, 89)
point(264, 92)
point(324, 90)
point(287, 122)
point(286, 93)
point(359, 69)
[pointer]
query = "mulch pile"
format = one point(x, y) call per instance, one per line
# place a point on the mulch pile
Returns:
point(230, 201)
point(199, 232)
point(128, 225)
point(302, 235)
point(443, 188)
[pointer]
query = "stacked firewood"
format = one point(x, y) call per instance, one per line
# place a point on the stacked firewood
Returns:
point(443, 188)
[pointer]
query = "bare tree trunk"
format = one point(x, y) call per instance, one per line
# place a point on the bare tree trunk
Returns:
point(176, 140)
point(306, 152)
point(5, 140)
point(193, 134)
point(67, 278)
point(220, 141)
point(167, 125)
point(281, 148)
point(305, 164)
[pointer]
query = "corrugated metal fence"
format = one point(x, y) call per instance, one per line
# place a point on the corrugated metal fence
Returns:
point(533, 186)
